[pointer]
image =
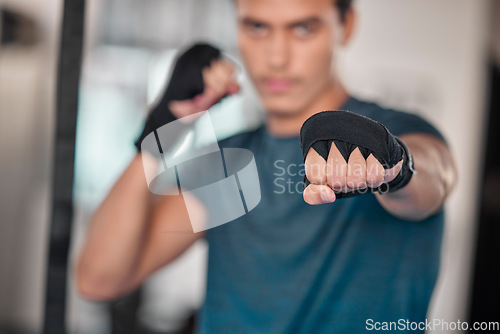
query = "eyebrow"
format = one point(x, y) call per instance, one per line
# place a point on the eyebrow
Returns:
point(308, 20)
point(249, 20)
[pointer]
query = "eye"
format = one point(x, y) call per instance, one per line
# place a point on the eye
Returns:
point(257, 29)
point(303, 30)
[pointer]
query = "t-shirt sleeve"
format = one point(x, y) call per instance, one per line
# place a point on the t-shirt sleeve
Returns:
point(401, 123)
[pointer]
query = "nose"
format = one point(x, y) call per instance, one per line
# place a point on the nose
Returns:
point(278, 51)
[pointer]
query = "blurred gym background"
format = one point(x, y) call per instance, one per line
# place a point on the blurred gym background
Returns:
point(437, 58)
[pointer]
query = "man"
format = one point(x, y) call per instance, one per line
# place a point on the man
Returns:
point(290, 265)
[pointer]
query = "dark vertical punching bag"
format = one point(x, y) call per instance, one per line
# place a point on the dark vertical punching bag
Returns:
point(68, 77)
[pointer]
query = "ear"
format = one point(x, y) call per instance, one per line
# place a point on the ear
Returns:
point(349, 25)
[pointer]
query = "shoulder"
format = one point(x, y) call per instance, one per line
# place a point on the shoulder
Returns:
point(242, 140)
point(398, 122)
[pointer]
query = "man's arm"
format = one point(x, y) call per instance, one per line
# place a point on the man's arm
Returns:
point(428, 188)
point(132, 234)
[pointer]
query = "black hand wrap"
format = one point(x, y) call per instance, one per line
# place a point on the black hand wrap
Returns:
point(185, 83)
point(348, 131)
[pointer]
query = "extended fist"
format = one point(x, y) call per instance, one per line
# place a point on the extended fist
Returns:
point(341, 176)
point(347, 155)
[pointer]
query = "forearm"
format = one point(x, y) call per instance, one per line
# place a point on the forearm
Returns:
point(131, 235)
point(127, 238)
point(116, 234)
point(429, 187)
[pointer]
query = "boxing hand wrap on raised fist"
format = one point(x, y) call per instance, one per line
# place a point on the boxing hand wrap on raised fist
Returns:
point(349, 131)
point(186, 82)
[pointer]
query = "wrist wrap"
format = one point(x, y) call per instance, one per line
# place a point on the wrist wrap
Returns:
point(185, 83)
point(347, 131)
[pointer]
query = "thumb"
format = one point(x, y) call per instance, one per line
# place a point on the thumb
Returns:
point(315, 194)
point(233, 88)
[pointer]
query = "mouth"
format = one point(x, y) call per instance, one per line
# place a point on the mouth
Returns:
point(277, 86)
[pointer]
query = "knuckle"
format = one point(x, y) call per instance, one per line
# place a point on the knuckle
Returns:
point(315, 172)
point(316, 178)
point(374, 179)
point(336, 167)
point(338, 185)
point(356, 181)
point(356, 156)
point(336, 173)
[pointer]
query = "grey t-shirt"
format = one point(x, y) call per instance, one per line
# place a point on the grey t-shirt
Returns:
point(288, 267)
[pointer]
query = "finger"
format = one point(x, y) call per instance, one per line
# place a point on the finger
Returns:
point(229, 66)
point(356, 170)
point(315, 167)
point(390, 174)
point(336, 169)
point(217, 71)
point(233, 88)
point(207, 99)
point(210, 80)
point(199, 103)
point(374, 172)
point(226, 71)
point(221, 77)
point(315, 194)
point(183, 108)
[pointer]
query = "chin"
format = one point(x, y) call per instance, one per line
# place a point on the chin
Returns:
point(282, 107)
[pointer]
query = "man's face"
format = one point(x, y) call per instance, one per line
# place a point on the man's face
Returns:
point(287, 47)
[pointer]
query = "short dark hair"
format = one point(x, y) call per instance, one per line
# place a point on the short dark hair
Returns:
point(343, 6)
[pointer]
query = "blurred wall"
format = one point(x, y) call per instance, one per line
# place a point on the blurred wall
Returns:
point(495, 32)
point(27, 87)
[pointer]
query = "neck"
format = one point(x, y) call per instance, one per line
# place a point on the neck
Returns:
point(333, 97)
